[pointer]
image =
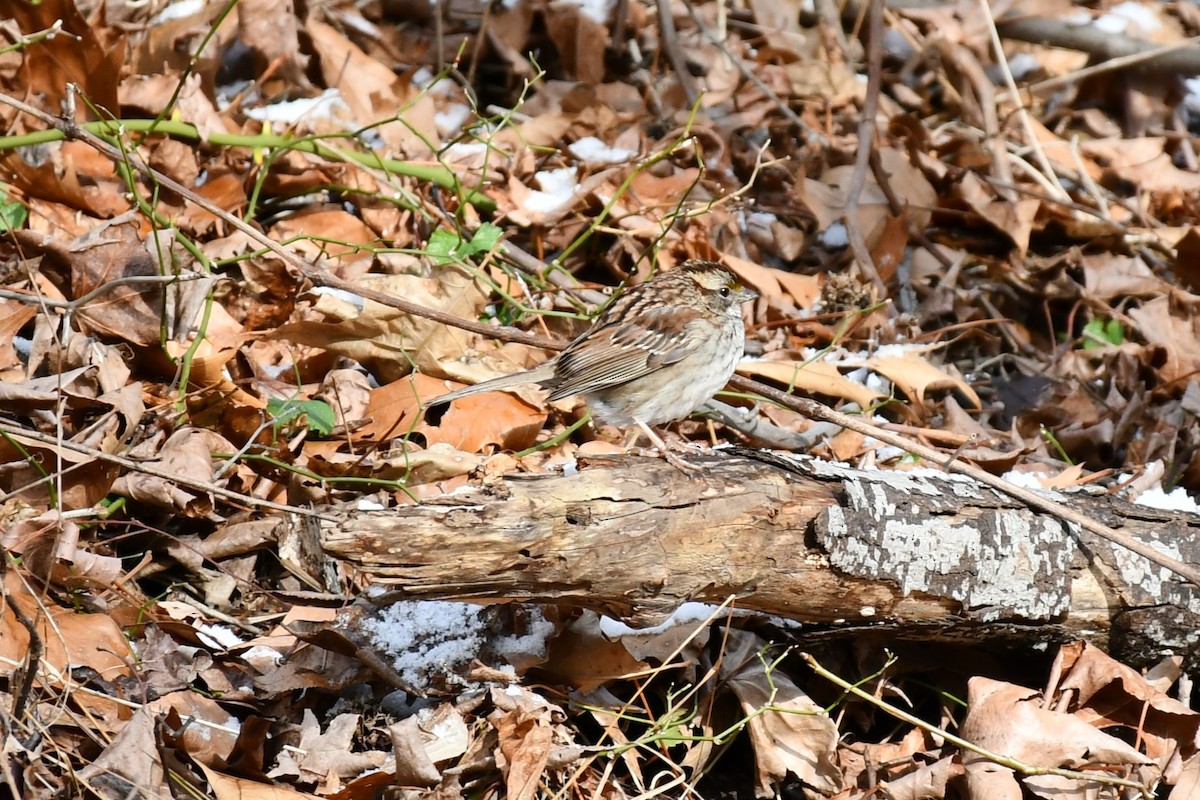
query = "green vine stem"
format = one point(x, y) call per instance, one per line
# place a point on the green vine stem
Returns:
point(438, 175)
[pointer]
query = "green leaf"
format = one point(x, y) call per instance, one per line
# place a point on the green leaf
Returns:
point(486, 238)
point(12, 214)
point(446, 246)
point(318, 413)
point(1103, 333)
point(442, 245)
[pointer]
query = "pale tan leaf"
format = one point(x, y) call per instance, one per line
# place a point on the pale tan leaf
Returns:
point(915, 376)
point(227, 787)
point(812, 378)
point(1006, 718)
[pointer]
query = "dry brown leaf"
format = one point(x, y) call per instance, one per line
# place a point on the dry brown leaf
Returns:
point(1144, 162)
point(421, 741)
point(71, 640)
point(580, 41)
point(1176, 330)
point(827, 198)
point(327, 758)
point(798, 738)
point(1010, 719)
point(1107, 276)
point(348, 393)
point(524, 724)
point(210, 733)
point(1063, 479)
point(51, 549)
point(926, 782)
point(780, 23)
point(780, 289)
point(1014, 219)
point(584, 658)
point(374, 92)
point(387, 341)
point(468, 425)
point(74, 175)
point(333, 234)
point(270, 30)
point(1187, 787)
point(188, 452)
point(79, 58)
point(1110, 692)
point(13, 316)
point(130, 765)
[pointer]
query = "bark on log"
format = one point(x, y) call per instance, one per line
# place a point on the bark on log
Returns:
point(924, 552)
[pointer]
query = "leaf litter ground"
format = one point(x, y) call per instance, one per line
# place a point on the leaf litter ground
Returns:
point(1011, 275)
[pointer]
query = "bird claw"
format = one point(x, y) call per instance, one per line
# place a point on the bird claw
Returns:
point(681, 464)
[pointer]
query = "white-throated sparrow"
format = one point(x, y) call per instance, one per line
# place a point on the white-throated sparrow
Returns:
point(654, 355)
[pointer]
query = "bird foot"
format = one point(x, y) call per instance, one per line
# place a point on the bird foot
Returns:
point(680, 463)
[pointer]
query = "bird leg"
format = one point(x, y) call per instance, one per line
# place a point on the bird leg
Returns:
point(671, 458)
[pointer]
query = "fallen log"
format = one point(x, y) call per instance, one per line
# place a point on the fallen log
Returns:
point(922, 552)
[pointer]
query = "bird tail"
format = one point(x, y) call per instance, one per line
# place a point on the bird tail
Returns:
point(536, 375)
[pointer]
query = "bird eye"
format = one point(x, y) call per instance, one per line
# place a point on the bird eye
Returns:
point(724, 291)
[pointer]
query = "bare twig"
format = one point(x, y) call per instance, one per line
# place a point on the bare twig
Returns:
point(670, 43)
point(1031, 137)
point(104, 288)
point(866, 142)
point(27, 435)
point(811, 136)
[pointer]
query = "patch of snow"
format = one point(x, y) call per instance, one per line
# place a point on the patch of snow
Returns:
point(340, 294)
point(1023, 64)
point(558, 189)
point(425, 636)
point(517, 649)
point(834, 237)
point(450, 120)
point(290, 112)
point(262, 658)
point(218, 636)
point(592, 150)
point(686, 613)
point(464, 151)
point(1110, 23)
point(1191, 100)
point(1175, 500)
point(1024, 479)
point(597, 10)
point(182, 9)
point(276, 371)
point(1140, 14)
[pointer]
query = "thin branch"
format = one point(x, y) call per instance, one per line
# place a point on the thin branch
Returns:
point(132, 465)
point(670, 43)
point(866, 143)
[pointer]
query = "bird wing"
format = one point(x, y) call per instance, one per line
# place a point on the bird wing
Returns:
point(620, 351)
